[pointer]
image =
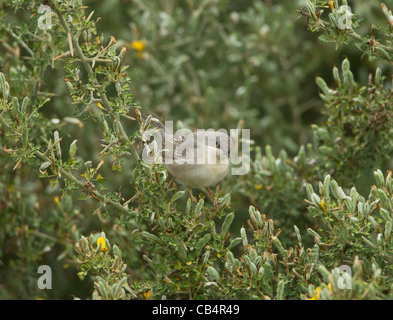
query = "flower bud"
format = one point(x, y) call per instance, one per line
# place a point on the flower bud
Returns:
point(244, 237)
point(378, 175)
point(72, 150)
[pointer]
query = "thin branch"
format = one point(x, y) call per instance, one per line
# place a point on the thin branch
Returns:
point(90, 72)
point(20, 41)
point(352, 34)
point(70, 177)
point(82, 185)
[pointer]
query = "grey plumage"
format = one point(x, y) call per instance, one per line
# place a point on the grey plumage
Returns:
point(198, 159)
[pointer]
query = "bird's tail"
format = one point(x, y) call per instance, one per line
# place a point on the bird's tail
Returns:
point(154, 121)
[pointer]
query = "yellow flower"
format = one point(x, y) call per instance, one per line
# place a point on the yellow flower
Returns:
point(101, 240)
point(317, 294)
point(139, 46)
point(99, 105)
point(259, 186)
point(331, 4)
point(147, 294)
point(323, 205)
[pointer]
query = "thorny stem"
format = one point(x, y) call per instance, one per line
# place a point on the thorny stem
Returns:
point(357, 36)
point(82, 185)
point(352, 34)
point(20, 41)
point(89, 70)
point(105, 102)
point(70, 177)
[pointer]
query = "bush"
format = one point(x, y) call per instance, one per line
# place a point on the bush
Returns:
point(76, 195)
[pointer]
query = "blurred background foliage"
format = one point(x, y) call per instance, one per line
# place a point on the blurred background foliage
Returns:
point(203, 64)
point(211, 64)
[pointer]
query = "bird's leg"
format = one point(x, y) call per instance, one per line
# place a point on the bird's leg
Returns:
point(191, 195)
point(215, 202)
point(169, 184)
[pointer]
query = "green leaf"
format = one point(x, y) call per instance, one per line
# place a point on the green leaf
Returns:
point(227, 223)
point(177, 196)
point(234, 243)
point(202, 243)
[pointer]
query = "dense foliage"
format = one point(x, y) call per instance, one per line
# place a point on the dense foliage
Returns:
point(312, 218)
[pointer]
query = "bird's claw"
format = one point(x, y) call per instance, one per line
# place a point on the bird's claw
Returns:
point(191, 195)
point(215, 201)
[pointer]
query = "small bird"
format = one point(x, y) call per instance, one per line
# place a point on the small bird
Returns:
point(199, 159)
